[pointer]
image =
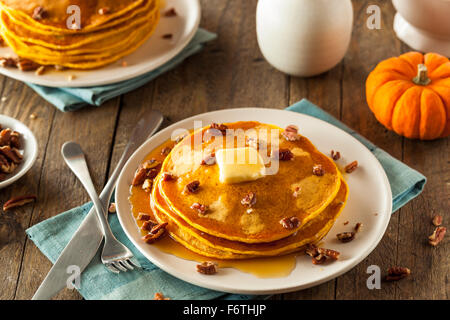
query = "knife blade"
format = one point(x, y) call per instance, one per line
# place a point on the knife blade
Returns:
point(84, 244)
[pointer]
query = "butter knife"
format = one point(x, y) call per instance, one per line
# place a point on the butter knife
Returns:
point(87, 239)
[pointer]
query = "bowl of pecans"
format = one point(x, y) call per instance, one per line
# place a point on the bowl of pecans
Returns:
point(18, 150)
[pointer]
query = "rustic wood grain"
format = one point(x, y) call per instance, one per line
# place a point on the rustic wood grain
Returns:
point(231, 73)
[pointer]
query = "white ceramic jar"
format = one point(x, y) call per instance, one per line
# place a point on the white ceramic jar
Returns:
point(304, 37)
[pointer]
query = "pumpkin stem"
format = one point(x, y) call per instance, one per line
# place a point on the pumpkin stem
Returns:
point(422, 76)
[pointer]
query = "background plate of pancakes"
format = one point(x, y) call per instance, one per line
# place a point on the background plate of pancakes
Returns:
point(133, 40)
point(369, 202)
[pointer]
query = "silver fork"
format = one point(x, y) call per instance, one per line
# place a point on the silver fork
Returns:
point(115, 256)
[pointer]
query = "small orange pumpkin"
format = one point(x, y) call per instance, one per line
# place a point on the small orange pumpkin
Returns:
point(410, 95)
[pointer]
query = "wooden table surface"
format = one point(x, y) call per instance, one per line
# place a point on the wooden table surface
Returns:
point(231, 73)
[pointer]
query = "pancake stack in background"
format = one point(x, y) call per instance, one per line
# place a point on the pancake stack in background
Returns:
point(230, 211)
point(44, 31)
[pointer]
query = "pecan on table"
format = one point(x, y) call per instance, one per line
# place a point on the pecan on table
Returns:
point(18, 202)
point(437, 220)
point(437, 236)
point(397, 273)
point(160, 296)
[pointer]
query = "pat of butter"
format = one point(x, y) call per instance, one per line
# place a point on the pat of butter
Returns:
point(239, 165)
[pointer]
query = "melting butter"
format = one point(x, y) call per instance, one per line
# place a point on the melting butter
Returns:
point(239, 165)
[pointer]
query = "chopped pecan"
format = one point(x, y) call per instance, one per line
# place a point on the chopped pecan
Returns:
point(346, 236)
point(40, 71)
point(8, 63)
point(221, 127)
point(437, 220)
point(147, 185)
point(150, 164)
point(318, 170)
point(112, 208)
point(249, 200)
point(285, 155)
point(319, 259)
point(193, 186)
point(104, 11)
point(333, 254)
point(397, 273)
point(358, 227)
point(165, 152)
point(160, 296)
point(156, 229)
point(167, 36)
point(291, 128)
point(152, 173)
point(311, 250)
point(144, 216)
point(39, 13)
point(437, 236)
point(207, 268)
point(297, 191)
point(335, 155)
point(290, 136)
point(139, 177)
point(209, 160)
point(149, 225)
point(351, 167)
point(27, 65)
point(201, 208)
point(18, 202)
point(290, 223)
point(170, 13)
point(168, 177)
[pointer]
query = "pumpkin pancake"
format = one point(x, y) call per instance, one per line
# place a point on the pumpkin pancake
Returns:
point(289, 189)
point(109, 30)
point(220, 248)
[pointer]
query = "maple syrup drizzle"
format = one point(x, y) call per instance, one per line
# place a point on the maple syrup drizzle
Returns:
point(270, 267)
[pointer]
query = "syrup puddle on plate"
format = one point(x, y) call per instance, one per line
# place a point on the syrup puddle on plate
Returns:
point(271, 267)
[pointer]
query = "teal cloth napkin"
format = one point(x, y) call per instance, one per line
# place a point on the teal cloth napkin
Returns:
point(71, 99)
point(52, 235)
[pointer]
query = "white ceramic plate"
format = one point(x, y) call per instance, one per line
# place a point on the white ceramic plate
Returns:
point(30, 149)
point(370, 193)
point(151, 55)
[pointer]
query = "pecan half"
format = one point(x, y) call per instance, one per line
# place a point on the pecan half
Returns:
point(5, 165)
point(207, 268)
point(437, 236)
point(201, 208)
point(335, 155)
point(291, 128)
point(193, 186)
point(8, 62)
point(27, 65)
point(144, 216)
point(39, 13)
point(333, 254)
point(311, 250)
point(290, 223)
point(18, 202)
point(346, 236)
point(159, 227)
point(152, 237)
point(318, 170)
point(437, 220)
point(320, 255)
point(397, 273)
point(221, 127)
point(168, 177)
point(149, 225)
point(285, 155)
point(5, 137)
point(160, 296)
point(170, 13)
point(249, 200)
point(150, 164)
point(165, 152)
point(209, 160)
point(351, 167)
point(12, 154)
point(139, 177)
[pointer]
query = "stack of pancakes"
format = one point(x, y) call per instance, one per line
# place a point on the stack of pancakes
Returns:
point(230, 228)
point(47, 33)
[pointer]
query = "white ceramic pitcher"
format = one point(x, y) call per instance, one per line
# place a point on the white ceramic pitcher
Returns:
point(304, 37)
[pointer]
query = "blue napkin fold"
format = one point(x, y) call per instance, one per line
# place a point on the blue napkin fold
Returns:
point(71, 99)
point(52, 235)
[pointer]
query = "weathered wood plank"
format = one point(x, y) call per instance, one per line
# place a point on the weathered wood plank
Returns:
point(59, 189)
point(19, 101)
